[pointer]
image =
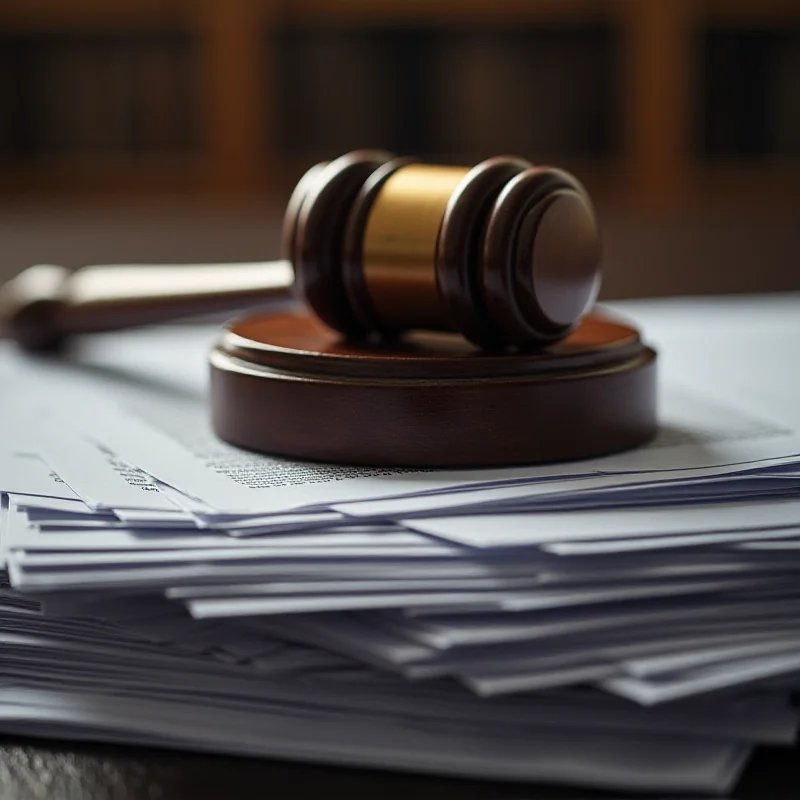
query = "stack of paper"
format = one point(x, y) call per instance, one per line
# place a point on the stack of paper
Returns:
point(628, 622)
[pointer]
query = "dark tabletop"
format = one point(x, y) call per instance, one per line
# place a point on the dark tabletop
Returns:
point(36, 769)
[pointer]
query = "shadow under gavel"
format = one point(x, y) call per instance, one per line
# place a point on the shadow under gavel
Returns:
point(506, 255)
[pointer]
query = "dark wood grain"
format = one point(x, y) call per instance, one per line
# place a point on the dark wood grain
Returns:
point(319, 234)
point(460, 248)
point(540, 270)
point(46, 304)
point(353, 249)
point(287, 385)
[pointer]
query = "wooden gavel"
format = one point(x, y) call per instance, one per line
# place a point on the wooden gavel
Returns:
point(505, 253)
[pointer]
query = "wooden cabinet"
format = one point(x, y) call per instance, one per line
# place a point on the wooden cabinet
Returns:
point(230, 114)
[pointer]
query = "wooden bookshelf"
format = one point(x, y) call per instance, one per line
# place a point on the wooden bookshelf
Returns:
point(239, 85)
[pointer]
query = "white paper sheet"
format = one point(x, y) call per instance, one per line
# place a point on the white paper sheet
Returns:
point(100, 479)
point(26, 474)
point(517, 530)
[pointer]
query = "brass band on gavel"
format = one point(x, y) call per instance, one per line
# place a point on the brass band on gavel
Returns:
point(505, 253)
point(399, 249)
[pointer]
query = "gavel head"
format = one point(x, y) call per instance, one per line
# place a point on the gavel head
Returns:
point(505, 253)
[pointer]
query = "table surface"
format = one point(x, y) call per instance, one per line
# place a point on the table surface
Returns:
point(35, 769)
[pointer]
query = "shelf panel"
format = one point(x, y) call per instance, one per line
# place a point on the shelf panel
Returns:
point(441, 12)
point(58, 15)
point(237, 79)
point(146, 175)
point(748, 12)
point(466, 12)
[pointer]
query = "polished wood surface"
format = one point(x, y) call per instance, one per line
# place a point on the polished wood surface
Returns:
point(461, 238)
point(285, 384)
point(316, 224)
point(541, 257)
point(505, 253)
point(46, 304)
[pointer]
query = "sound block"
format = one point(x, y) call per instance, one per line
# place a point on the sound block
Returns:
point(282, 383)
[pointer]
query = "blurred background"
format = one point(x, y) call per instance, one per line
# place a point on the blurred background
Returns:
point(174, 130)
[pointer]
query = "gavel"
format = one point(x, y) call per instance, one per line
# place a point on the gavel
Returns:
point(448, 320)
point(507, 254)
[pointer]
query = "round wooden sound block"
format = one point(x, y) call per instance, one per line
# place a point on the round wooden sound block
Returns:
point(282, 383)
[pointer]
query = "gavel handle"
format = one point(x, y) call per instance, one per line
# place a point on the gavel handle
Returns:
point(46, 304)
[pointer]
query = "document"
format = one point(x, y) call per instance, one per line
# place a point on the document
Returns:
point(627, 623)
point(25, 474)
point(178, 449)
